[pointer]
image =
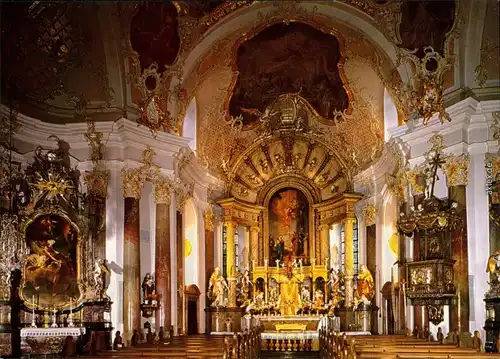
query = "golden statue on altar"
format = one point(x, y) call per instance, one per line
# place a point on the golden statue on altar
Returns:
point(289, 297)
point(366, 285)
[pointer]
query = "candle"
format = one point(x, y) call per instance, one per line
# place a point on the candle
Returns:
point(459, 327)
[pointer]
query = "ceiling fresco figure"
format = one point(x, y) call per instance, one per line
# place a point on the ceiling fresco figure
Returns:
point(426, 23)
point(154, 34)
point(293, 58)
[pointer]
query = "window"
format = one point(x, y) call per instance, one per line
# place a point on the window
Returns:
point(236, 249)
point(224, 251)
point(355, 247)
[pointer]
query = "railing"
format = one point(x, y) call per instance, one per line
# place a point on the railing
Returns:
point(245, 345)
point(333, 345)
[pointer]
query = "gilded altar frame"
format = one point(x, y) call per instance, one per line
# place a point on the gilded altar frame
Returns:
point(55, 211)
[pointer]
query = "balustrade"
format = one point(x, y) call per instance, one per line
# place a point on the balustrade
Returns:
point(245, 345)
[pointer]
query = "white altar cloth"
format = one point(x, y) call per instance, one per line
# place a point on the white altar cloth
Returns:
point(51, 332)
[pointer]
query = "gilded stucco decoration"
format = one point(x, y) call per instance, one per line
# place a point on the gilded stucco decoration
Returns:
point(183, 192)
point(209, 218)
point(456, 169)
point(370, 214)
point(425, 95)
point(163, 189)
point(133, 179)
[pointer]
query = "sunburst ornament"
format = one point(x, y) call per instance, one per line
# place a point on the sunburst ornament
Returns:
point(52, 185)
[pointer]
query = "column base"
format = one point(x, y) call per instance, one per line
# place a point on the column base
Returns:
point(364, 319)
point(224, 320)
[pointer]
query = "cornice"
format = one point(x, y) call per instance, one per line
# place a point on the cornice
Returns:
point(123, 134)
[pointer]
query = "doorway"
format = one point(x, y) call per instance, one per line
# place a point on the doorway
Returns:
point(388, 305)
point(192, 295)
point(192, 317)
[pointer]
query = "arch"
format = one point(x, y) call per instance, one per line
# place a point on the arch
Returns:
point(241, 18)
point(331, 17)
point(191, 254)
point(288, 181)
point(189, 126)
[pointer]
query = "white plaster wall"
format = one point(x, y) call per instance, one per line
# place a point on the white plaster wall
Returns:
point(189, 127)
point(478, 243)
point(114, 243)
point(390, 115)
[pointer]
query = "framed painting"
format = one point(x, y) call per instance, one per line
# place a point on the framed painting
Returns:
point(288, 225)
point(52, 270)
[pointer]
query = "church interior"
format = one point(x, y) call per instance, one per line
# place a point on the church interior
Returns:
point(250, 179)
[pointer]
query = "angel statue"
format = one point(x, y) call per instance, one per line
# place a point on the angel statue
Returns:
point(493, 267)
point(216, 289)
point(243, 288)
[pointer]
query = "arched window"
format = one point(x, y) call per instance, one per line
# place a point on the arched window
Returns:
point(189, 125)
point(355, 246)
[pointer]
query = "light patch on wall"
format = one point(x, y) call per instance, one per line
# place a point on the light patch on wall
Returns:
point(188, 248)
point(394, 243)
point(144, 236)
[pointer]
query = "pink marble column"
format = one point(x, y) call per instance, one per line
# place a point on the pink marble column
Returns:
point(162, 265)
point(131, 269)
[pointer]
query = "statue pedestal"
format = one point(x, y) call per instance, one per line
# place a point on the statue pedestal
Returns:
point(492, 325)
point(224, 320)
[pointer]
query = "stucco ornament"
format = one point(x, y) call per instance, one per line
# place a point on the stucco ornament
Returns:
point(456, 169)
point(370, 213)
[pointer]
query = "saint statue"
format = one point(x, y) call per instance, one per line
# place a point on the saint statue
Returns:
point(101, 278)
point(148, 287)
point(493, 267)
point(366, 287)
point(216, 287)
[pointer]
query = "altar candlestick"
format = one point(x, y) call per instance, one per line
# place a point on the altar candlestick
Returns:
point(253, 265)
point(266, 263)
point(33, 321)
point(459, 327)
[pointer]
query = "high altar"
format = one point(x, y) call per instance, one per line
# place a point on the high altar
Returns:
point(287, 189)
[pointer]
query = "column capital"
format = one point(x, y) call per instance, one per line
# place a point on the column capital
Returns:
point(324, 227)
point(209, 218)
point(456, 169)
point(97, 182)
point(370, 214)
point(231, 223)
point(255, 229)
point(132, 183)
point(162, 191)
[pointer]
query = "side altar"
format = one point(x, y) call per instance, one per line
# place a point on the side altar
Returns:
point(53, 292)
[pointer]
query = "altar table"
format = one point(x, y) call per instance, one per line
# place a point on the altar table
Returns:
point(47, 340)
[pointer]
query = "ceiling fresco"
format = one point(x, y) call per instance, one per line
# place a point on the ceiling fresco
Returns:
point(154, 34)
point(288, 58)
point(426, 23)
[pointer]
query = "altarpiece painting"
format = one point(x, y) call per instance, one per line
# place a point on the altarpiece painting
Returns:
point(51, 270)
point(288, 225)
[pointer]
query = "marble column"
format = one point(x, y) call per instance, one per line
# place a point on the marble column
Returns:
point(457, 169)
point(254, 246)
point(131, 268)
point(180, 270)
point(209, 223)
point(163, 270)
point(231, 261)
point(324, 233)
point(349, 261)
